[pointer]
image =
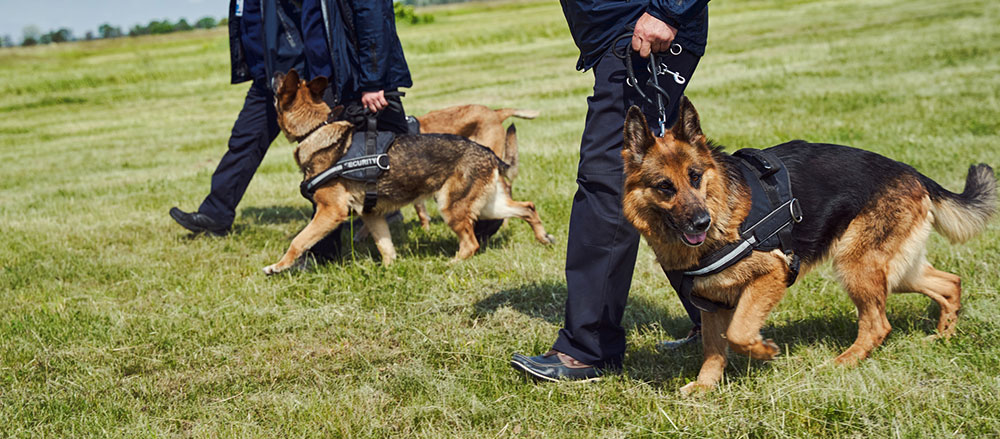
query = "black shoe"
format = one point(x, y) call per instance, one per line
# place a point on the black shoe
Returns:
point(693, 336)
point(198, 222)
point(550, 367)
point(485, 229)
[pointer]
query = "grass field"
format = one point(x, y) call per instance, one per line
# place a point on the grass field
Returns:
point(114, 322)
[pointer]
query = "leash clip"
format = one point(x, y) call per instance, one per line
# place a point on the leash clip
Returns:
point(664, 69)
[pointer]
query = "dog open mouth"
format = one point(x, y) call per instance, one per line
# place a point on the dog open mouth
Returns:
point(694, 240)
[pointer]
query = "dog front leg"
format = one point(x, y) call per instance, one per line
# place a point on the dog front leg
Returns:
point(383, 239)
point(714, 326)
point(324, 221)
point(756, 302)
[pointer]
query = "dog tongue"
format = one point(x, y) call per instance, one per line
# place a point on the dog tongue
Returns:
point(695, 239)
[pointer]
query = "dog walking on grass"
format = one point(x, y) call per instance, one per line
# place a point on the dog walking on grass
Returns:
point(468, 181)
point(869, 214)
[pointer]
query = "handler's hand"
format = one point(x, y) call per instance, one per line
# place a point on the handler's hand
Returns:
point(374, 100)
point(651, 35)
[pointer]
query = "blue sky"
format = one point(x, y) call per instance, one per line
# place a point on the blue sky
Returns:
point(83, 15)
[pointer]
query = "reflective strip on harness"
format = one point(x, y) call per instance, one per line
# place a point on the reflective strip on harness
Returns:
point(380, 161)
point(725, 260)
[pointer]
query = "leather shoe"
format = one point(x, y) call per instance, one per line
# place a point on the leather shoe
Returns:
point(693, 336)
point(198, 222)
point(555, 366)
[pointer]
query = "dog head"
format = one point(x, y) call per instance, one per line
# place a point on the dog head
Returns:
point(670, 181)
point(300, 104)
point(301, 111)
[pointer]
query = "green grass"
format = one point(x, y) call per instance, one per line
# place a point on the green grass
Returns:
point(115, 323)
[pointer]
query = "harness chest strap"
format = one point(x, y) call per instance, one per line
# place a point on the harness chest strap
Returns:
point(363, 163)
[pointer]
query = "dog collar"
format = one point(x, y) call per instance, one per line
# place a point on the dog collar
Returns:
point(330, 118)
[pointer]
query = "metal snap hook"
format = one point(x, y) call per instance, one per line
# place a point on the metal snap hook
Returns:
point(677, 76)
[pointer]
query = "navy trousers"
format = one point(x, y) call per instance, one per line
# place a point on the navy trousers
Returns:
point(602, 245)
point(254, 130)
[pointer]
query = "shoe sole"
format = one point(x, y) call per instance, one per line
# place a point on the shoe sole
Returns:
point(193, 228)
point(524, 368)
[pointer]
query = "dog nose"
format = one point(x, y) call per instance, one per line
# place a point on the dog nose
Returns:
point(701, 221)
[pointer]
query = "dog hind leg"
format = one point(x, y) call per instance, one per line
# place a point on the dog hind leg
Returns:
point(500, 205)
point(875, 255)
point(919, 276)
point(942, 287)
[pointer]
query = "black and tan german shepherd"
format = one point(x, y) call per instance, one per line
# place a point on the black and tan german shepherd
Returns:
point(869, 214)
point(468, 181)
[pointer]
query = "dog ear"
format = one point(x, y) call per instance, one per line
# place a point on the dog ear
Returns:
point(317, 86)
point(638, 137)
point(336, 111)
point(289, 82)
point(688, 125)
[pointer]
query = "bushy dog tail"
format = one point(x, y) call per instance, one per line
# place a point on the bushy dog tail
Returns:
point(959, 217)
point(505, 113)
point(510, 153)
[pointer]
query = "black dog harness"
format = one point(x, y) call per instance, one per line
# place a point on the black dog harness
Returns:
point(366, 158)
point(768, 226)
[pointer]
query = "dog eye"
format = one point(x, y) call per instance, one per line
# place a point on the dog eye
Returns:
point(667, 188)
point(695, 178)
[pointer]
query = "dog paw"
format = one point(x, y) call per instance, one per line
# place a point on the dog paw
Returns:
point(695, 387)
point(272, 269)
point(551, 239)
point(766, 350)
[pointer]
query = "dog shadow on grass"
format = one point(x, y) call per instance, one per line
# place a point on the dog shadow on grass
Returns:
point(409, 239)
point(651, 363)
point(277, 214)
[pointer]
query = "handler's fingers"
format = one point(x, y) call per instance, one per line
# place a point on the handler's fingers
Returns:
point(640, 45)
point(659, 46)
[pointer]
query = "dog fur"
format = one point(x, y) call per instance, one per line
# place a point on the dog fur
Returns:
point(480, 124)
point(467, 180)
point(869, 214)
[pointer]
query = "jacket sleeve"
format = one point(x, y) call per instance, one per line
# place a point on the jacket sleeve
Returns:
point(369, 22)
point(676, 12)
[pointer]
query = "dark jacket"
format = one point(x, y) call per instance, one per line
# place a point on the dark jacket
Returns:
point(595, 24)
point(354, 44)
point(265, 42)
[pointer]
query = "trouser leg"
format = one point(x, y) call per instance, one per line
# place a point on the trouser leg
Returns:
point(254, 130)
point(602, 245)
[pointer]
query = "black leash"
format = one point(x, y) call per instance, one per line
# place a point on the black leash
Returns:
point(655, 71)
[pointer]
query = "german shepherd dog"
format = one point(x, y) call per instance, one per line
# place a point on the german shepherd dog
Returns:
point(871, 215)
point(467, 180)
point(479, 124)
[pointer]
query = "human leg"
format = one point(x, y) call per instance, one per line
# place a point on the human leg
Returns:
point(602, 245)
point(254, 130)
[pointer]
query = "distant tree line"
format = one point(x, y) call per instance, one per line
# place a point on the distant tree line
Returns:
point(34, 36)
